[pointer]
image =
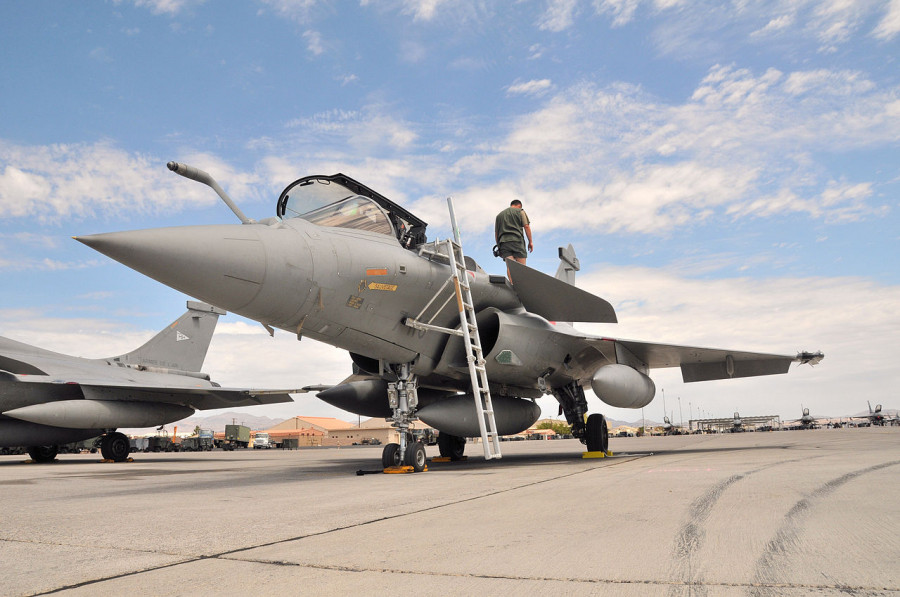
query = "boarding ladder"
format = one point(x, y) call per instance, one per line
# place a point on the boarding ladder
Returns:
point(468, 330)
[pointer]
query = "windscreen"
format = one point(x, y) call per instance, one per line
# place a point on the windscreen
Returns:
point(327, 203)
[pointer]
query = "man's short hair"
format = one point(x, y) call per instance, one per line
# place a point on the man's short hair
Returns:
point(516, 203)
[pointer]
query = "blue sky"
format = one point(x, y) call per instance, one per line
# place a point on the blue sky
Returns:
point(728, 172)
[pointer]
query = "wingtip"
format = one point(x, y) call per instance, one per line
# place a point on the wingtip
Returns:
point(812, 358)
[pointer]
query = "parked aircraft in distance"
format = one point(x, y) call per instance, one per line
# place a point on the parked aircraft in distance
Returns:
point(876, 417)
point(670, 429)
point(807, 421)
point(48, 398)
point(431, 334)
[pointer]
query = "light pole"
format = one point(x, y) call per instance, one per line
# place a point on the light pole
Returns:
point(680, 415)
point(664, 403)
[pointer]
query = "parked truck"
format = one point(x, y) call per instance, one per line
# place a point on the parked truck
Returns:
point(236, 436)
point(261, 441)
point(202, 442)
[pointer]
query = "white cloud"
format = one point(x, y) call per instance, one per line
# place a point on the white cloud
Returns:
point(422, 10)
point(889, 25)
point(622, 10)
point(694, 27)
point(48, 183)
point(741, 146)
point(372, 127)
point(167, 7)
point(831, 82)
point(559, 15)
point(100, 55)
point(314, 42)
point(296, 10)
point(776, 25)
point(455, 13)
point(535, 87)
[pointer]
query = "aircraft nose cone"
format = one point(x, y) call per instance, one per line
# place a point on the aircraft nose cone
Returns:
point(222, 265)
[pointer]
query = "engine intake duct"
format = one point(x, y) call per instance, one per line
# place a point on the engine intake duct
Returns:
point(516, 346)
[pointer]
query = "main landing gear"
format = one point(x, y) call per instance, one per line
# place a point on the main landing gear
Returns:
point(404, 400)
point(451, 446)
point(594, 433)
point(115, 446)
point(43, 454)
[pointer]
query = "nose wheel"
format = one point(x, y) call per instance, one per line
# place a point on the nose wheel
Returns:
point(414, 456)
point(391, 456)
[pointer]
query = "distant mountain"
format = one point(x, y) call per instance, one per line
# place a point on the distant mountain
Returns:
point(218, 422)
point(613, 423)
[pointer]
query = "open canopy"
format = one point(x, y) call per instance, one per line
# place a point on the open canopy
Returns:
point(340, 201)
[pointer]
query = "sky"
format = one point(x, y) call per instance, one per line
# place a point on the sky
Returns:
point(728, 172)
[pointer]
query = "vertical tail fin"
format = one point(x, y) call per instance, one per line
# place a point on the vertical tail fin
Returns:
point(568, 265)
point(181, 345)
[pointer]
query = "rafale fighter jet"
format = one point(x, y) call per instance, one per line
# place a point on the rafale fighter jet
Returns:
point(431, 335)
point(48, 398)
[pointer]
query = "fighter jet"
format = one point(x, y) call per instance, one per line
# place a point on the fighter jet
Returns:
point(431, 335)
point(807, 421)
point(48, 398)
point(876, 417)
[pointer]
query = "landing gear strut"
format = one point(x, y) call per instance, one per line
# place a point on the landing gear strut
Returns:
point(404, 400)
point(594, 433)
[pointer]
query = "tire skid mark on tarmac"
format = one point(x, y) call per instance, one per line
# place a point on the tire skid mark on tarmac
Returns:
point(232, 552)
point(690, 536)
point(771, 563)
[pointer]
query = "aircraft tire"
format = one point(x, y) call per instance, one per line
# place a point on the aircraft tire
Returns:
point(451, 446)
point(597, 434)
point(43, 454)
point(391, 456)
point(115, 447)
point(415, 456)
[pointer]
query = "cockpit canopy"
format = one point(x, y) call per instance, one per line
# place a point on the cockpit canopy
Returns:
point(356, 212)
point(339, 201)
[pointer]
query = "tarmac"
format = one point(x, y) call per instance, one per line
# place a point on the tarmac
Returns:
point(775, 513)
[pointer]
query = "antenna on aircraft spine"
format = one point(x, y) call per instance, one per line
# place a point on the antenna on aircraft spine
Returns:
point(205, 178)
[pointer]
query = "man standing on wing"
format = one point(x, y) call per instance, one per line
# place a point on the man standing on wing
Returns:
point(508, 233)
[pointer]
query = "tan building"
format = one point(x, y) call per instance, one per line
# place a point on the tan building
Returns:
point(370, 429)
point(328, 431)
point(309, 431)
